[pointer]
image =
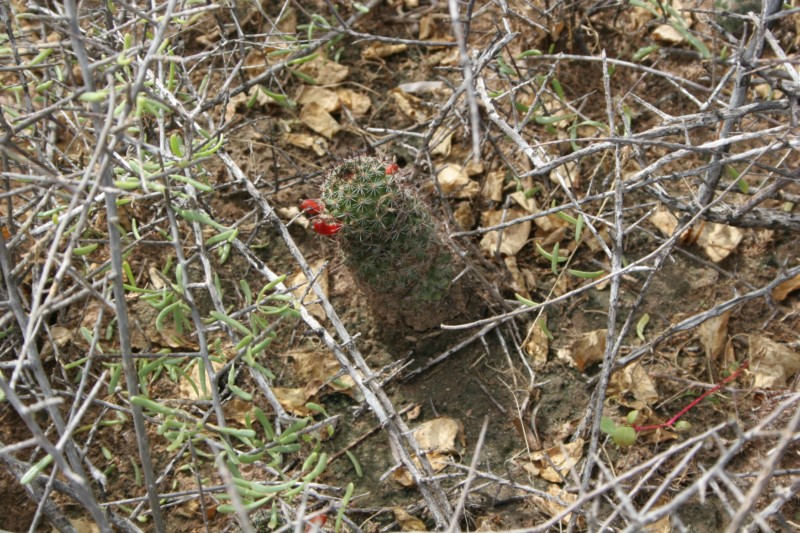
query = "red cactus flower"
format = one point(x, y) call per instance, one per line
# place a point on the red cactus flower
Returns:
point(311, 207)
point(326, 227)
point(392, 168)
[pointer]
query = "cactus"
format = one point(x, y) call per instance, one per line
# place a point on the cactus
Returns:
point(388, 237)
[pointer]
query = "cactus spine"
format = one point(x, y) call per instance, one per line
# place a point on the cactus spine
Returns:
point(388, 236)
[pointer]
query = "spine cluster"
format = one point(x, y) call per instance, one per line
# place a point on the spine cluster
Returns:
point(387, 234)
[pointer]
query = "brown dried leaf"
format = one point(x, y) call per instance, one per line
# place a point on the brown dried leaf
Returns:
point(563, 457)
point(444, 435)
point(527, 203)
point(454, 181)
point(442, 142)
point(357, 103)
point(518, 281)
point(299, 279)
point(664, 525)
point(324, 71)
point(659, 435)
point(780, 292)
point(588, 349)
point(307, 142)
point(633, 380)
point(293, 400)
point(61, 335)
point(772, 363)
point(382, 50)
point(407, 521)
point(313, 366)
point(325, 98)
point(438, 462)
point(568, 171)
point(236, 409)
point(493, 185)
point(552, 508)
point(425, 26)
point(84, 525)
point(315, 117)
point(409, 105)
point(719, 241)
point(465, 216)
point(713, 335)
point(664, 221)
point(514, 237)
point(665, 33)
point(403, 476)
point(536, 343)
point(189, 392)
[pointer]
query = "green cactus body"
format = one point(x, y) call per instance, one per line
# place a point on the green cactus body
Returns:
point(388, 236)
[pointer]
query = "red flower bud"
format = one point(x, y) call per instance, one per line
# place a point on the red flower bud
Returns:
point(391, 168)
point(311, 207)
point(327, 228)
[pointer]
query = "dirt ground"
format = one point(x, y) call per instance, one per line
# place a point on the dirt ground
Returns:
point(531, 377)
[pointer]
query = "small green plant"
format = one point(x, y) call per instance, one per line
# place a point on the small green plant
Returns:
point(625, 435)
point(388, 236)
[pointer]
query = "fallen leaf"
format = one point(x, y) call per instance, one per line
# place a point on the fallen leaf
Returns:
point(61, 335)
point(324, 71)
point(713, 335)
point(528, 203)
point(237, 409)
point(315, 117)
point(307, 142)
point(293, 400)
point(84, 525)
point(514, 237)
point(569, 172)
point(382, 50)
point(442, 437)
point(443, 434)
point(588, 349)
point(536, 343)
point(194, 389)
point(772, 363)
point(408, 104)
point(663, 525)
point(454, 182)
point(357, 103)
point(425, 26)
point(780, 292)
point(719, 241)
point(664, 221)
point(552, 508)
point(659, 435)
point(665, 33)
point(305, 292)
point(493, 185)
point(464, 215)
point(325, 98)
point(414, 413)
point(634, 381)
point(407, 521)
point(519, 282)
point(563, 457)
point(320, 366)
point(442, 142)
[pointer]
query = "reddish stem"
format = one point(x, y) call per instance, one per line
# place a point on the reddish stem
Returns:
point(671, 421)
